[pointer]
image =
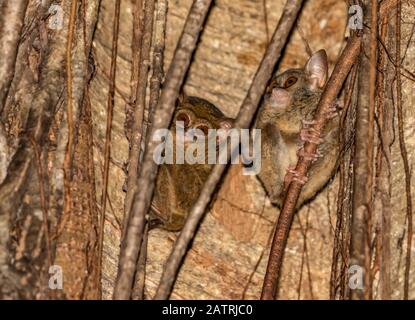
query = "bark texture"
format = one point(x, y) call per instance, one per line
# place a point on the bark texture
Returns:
point(228, 257)
point(230, 252)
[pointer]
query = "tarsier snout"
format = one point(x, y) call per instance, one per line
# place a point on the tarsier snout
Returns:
point(280, 98)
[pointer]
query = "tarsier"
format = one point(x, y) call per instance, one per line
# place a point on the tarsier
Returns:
point(179, 185)
point(284, 119)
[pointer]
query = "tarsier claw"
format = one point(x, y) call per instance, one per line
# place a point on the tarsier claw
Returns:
point(332, 110)
point(307, 123)
point(309, 156)
point(310, 135)
point(294, 175)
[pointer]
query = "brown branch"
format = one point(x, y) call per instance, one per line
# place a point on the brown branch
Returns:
point(158, 55)
point(80, 222)
point(77, 55)
point(136, 47)
point(107, 148)
point(360, 251)
point(143, 26)
point(140, 275)
point(12, 15)
point(4, 153)
point(141, 202)
point(383, 182)
point(244, 119)
point(155, 84)
point(137, 131)
point(142, 36)
point(40, 174)
point(339, 247)
point(371, 127)
point(86, 124)
point(333, 87)
point(404, 153)
point(67, 164)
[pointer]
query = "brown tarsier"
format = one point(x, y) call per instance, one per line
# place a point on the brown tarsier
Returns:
point(284, 119)
point(178, 185)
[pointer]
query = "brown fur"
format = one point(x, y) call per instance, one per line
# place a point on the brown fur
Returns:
point(179, 185)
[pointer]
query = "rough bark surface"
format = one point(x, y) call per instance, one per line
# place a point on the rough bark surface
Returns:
point(229, 255)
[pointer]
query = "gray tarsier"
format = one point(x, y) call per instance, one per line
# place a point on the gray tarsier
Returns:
point(284, 119)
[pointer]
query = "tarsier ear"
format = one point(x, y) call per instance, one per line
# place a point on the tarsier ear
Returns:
point(317, 70)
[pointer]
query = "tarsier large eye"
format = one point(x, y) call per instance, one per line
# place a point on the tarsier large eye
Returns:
point(185, 118)
point(290, 81)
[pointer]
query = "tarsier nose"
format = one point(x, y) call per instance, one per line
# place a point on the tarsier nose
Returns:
point(280, 97)
point(278, 93)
